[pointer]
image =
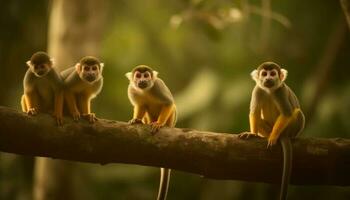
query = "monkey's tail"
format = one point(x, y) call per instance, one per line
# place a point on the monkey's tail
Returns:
point(164, 183)
point(166, 172)
point(287, 149)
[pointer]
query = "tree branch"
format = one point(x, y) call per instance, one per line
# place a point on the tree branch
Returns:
point(213, 155)
point(345, 4)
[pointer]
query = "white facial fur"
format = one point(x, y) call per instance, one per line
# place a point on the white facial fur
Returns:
point(40, 70)
point(269, 79)
point(93, 72)
point(145, 76)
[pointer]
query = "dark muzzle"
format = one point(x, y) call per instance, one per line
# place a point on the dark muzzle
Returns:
point(142, 84)
point(269, 83)
point(90, 78)
point(40, 73)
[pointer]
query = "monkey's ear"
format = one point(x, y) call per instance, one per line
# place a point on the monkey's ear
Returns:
point(129, 75)
point(255, 75)
point(101, 66)
point(155, 74)
point(283, 75)
point(52, 61)
point(29, 64)
point(78, 67)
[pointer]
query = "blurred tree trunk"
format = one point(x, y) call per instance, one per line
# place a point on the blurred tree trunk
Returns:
point(19, 38)
point(345, 4)
point(321, 78)
point(24, 30)
point(75, 30)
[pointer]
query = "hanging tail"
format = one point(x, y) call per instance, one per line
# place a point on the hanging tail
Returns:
point(287, 149)
point(165, 172)
point(163, 183)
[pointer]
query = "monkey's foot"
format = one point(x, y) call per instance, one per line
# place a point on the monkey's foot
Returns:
point(91, 117)
point(32, 111)
point(155, 126)
point(135, 121)
point(271, 142)
point(247, 135)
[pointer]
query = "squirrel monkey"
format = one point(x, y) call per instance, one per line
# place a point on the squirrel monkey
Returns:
point(153, 104)
point(275, 114)
point(82, 83)
point(42, 87)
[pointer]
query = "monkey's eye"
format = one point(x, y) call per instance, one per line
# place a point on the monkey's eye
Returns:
point(273, 73)
point(86, 68)
point(138, 75)
point(146, 75)
point(94, 68)
point(264, 73)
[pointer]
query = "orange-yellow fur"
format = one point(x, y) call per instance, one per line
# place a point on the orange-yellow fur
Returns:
point(78, 91)
point(154, 105)
point(275, 114)
point(42, 88)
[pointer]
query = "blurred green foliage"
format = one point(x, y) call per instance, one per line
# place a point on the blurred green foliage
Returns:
point(204, 51)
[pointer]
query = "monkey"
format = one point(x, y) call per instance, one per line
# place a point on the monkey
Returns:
point(42, 87)
point(275, 113)
point(154, 105)
point(82, 83)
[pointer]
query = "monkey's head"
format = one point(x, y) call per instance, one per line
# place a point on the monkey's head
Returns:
point(269, 76)
point(89, 69)
point(40, 63)
point(142, 77)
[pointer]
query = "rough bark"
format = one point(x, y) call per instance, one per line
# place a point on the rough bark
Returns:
point(213, 155)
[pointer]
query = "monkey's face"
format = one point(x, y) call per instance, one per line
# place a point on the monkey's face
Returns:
point(269, 79)
point(143, 80)
point(40, 64)
point(40, 69)
point(89, 73)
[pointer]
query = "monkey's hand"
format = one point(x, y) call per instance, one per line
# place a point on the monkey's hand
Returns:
point(247, 135)
point(59, 118)
point(271, 141)
point(76, 115)
point(32, 111)
point(155, 126)
point(91, 117)
point(135, 121)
